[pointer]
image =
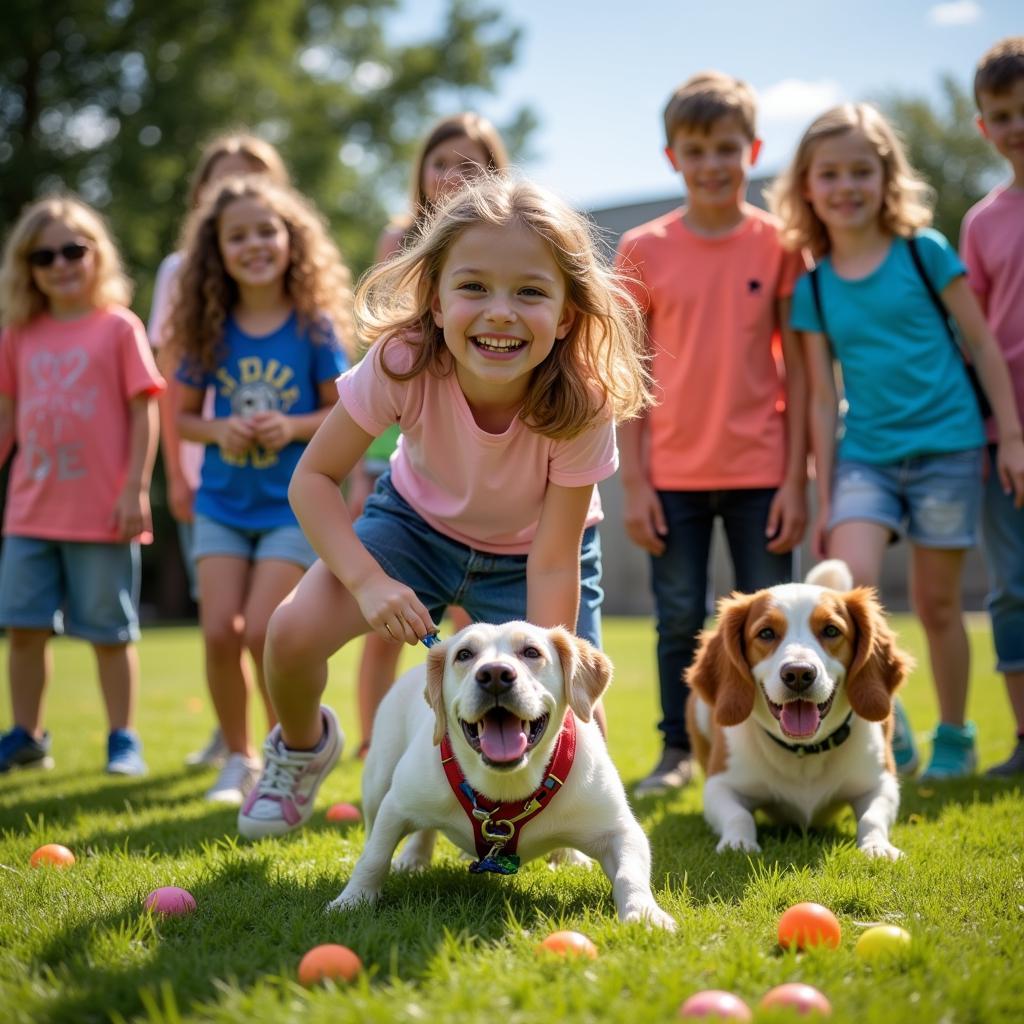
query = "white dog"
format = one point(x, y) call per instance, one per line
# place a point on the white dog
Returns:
point(791, 709)
point(487, 760)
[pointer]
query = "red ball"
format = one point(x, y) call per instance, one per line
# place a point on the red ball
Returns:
point(344, 812)
point(338, 963)
point(568, 944)
point(803, 999)
point(809, 924)
point(52, 855)
point(170, 901)
point(715, 1003)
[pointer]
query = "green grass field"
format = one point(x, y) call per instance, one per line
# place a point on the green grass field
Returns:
point(447, 946)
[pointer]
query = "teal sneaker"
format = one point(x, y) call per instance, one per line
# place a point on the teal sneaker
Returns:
point(124, 753)
point(954, 755)
point(904, 750)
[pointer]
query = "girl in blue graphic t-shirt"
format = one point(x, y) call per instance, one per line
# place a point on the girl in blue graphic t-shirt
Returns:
point(910, 444)
point(262, 291)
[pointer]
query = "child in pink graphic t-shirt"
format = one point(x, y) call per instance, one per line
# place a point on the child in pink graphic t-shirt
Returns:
point(78, 390)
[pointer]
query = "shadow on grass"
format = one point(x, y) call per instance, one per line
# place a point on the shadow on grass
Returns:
point(927, 800)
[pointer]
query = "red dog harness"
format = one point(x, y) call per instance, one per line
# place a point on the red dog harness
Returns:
point(496, 826)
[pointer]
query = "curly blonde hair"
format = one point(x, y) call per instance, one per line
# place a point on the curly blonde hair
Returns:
point(599, 365)
point(317, 280)
point(907, 198)
point(20, 299)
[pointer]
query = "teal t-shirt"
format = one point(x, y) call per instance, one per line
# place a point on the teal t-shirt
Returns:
point(906, 392)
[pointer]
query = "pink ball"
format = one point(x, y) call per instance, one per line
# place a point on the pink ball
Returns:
point(344, 812)
point(170, 901)
point(797, 996)
point(715, 1003)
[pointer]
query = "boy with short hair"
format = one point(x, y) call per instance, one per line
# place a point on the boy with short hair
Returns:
point(715, 284)
point(992, 247)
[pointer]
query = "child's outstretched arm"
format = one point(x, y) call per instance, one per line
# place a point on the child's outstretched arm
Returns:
point(644, 516)
point(823, 410)
point(995, 378)
point(132, 515)
point(390, 607)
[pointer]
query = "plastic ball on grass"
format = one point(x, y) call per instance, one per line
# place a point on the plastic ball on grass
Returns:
point(568, 944)
point(170, 901)
point(52, 855)
point(338, 963)
point(344, 812)
point(883, 942)
point(803, 999)
point(809, 924)
point(715, 1004)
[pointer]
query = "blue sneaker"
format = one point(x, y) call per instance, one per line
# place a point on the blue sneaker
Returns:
point(20, 749)
point(904, 750)
point(954, 755)
point(124, 753)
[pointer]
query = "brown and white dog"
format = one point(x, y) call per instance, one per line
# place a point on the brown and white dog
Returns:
point(791, 709)
point(500, 702)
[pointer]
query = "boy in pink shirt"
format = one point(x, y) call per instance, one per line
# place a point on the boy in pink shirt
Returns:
point(727, 438)
point(992, 246)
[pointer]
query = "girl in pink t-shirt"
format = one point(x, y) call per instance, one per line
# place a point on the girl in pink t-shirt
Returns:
point(506, 350)
point(78, 390)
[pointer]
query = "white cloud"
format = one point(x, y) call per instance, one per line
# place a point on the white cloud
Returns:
point(954, 13)
point(794, 99)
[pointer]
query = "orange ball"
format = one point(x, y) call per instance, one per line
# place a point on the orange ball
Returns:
point(568, 944)
point(338, 963)
point(344, 812)
point(809, 924)
point(52, 855)
point(803, 999)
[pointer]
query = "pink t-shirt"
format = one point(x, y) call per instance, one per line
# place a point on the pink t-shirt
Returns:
point(711, 315)
point(72, 382)
point(992, 247)
point(483, 490)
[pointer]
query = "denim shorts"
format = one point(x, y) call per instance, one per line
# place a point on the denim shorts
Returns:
point(934, 499)
point(443, 572)
point(85, 589)
point(283, 543)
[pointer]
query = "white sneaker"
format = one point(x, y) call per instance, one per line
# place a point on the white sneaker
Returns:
point(235, 781)
point(284, 794)
point(212, 755)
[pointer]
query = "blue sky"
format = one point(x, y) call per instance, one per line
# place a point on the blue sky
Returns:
point(598, 72)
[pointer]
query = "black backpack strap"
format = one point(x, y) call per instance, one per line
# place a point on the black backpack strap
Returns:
point(816, 293)
point(940, 306)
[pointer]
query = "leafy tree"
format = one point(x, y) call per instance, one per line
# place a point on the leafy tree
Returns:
point(944, 145)
point(114, 98)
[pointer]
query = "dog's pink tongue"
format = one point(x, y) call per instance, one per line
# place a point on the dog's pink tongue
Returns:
point(800, 718)
point(502, 738)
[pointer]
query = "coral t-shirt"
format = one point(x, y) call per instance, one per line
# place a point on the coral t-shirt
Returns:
point(483, 490)
point(711, 309)
point(72, 382)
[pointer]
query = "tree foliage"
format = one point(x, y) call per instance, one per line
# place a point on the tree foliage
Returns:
point(945, 146)
point(114, 99)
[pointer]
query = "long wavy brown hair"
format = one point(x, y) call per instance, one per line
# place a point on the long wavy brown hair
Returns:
point(317, 280)
point(600, 366)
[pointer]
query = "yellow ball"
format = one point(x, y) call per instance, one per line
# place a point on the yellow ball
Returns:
point(883, 942)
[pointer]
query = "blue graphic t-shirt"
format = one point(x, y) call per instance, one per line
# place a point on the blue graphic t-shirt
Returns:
point(281, 371)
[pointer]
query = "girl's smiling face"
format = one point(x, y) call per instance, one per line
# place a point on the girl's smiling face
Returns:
point(501, 302)
point(67, 284)
point(845, 182)
point(254, 243)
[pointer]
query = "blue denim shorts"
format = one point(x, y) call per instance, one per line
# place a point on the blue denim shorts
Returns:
point(443, 572)
point(934, 499)
point(283, 543)
point(84, 589)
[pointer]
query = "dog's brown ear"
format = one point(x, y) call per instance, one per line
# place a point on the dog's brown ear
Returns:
point(720, 673)
point(586, 671)
point(879, 667)
point(434, 692)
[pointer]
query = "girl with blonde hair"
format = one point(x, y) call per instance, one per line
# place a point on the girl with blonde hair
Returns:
point(262, 300)
point(78, 390)
point(507, 351)
point(886, 302)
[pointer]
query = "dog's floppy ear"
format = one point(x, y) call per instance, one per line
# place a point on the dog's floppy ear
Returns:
point(879, 666)
point(434, 692)
point(586, 671)
point(720, 673)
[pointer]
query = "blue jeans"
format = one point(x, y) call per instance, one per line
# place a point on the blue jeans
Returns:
point(679, 578)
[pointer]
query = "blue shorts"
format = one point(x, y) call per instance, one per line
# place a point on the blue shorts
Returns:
point(283, 543)
point(934, 499)
point(443, 572)
point(84, 589)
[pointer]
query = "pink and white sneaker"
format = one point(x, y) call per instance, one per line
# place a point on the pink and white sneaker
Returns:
point(283, 797)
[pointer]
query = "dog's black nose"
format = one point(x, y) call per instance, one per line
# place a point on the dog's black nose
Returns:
point(495, 678)
point(798, 675)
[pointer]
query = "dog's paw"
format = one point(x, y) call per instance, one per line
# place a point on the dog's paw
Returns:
point(879, 846)
point(410, 860)
point(568, 857)
point(652, 916)
point(351, 898)
point(741, 843)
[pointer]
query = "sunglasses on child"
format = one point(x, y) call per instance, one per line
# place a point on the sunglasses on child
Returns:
point(72, 253)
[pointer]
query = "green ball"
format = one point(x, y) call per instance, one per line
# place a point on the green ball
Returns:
point(883, 942)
